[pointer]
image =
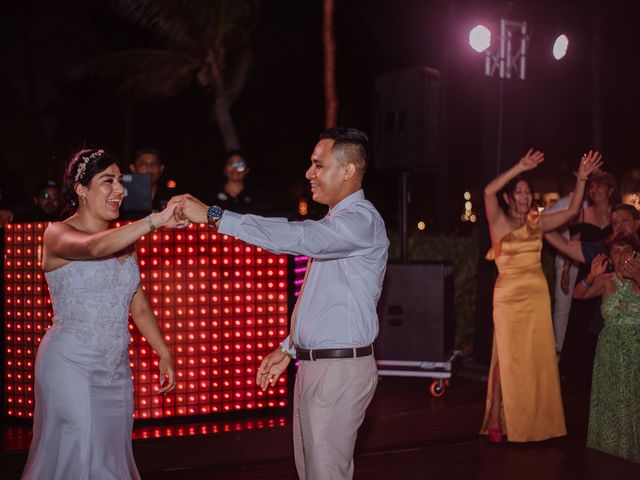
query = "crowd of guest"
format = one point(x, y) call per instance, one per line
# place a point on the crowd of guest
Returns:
point(45, 206)
point(596, 317)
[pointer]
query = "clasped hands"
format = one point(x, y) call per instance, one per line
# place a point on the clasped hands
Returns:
point(187, 209)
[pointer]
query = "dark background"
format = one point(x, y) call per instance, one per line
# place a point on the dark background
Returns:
point(281, 111)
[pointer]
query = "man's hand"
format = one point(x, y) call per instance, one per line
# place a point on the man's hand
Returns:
point(271, 368)
point(189, 208)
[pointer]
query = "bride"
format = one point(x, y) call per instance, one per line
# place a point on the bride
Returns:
point(83, 390)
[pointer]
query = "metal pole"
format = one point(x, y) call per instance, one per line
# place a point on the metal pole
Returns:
point(404, 201)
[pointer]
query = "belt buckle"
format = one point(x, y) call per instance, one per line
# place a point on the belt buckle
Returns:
point(311, 356)
point(355, 353)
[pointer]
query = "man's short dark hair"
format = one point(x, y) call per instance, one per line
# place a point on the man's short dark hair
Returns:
point(352, 141)
point(148, 151)
point(629, 208)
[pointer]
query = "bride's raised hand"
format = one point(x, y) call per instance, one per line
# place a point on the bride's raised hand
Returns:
point(531, 160)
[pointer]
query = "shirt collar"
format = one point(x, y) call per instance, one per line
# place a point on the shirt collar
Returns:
point(345, 202)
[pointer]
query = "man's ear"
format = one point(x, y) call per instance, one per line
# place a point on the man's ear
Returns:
point(132, 167)
point(349, 171)
point(161, 168)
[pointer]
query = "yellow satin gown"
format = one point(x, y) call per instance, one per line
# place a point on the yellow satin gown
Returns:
point(523, 340)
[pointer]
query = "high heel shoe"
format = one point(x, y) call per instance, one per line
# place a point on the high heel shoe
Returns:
point(495, 435)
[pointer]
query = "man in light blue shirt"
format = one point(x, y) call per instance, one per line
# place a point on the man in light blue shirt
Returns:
point(334, 322)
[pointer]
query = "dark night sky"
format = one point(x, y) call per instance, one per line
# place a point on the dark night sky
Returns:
point(280, 111)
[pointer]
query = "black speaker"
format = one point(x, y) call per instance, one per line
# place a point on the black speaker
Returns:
point(415, 311)
point(406, 120)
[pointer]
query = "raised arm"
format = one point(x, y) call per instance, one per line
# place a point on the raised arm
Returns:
point(492, 207)
point(571, 248)
point(588, 163)
point(63, 241)
point(594, 283)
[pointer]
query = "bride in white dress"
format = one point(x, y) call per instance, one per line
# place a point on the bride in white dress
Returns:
point(83, 391)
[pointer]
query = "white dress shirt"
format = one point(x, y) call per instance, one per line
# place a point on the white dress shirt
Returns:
point(349, 247)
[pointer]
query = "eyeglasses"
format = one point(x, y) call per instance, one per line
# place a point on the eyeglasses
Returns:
point(48, 196)
point(239, 165)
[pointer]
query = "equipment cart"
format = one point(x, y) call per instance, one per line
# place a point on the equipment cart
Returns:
point(440, 371)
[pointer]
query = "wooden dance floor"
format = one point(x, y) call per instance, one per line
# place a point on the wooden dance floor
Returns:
point(407, 435)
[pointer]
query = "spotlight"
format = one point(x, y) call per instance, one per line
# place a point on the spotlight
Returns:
point(560, 47)
point(480, 38)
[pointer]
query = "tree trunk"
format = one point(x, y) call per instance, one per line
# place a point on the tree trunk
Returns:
point(222, 113)
point(329, 46)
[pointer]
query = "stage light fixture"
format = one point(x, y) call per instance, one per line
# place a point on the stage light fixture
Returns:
point(560, 47)
point(480, 38)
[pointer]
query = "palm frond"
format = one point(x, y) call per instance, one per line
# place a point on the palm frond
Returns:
point(185, 24)
point(193, 25)
point(141, 73)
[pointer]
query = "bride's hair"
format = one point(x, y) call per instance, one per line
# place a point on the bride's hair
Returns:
point(85, 164)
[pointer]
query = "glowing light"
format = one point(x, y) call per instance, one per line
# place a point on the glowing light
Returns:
point(560, 47)
point(303, 207)
point(421, 225)
point(467, 196)
point(480, 38)
point(197, 322)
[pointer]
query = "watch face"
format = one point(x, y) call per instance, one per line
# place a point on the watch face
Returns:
point(214, 212)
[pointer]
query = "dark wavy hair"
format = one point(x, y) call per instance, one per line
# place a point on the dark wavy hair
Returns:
point(510, 188)
point(98, 163)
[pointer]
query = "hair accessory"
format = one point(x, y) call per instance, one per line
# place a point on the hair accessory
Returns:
point(85, 160)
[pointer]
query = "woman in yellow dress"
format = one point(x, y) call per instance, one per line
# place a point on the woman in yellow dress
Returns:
point(523, 395)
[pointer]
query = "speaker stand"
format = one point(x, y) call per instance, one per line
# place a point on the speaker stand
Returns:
point(404, 203)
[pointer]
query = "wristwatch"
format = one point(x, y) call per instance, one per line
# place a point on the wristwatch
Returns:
point(214, 213)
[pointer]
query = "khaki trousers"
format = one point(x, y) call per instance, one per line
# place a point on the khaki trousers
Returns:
point(329, 403)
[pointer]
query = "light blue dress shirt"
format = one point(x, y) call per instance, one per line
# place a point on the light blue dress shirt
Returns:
point(349, 247)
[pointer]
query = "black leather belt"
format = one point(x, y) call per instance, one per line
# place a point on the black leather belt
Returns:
point(315, 354)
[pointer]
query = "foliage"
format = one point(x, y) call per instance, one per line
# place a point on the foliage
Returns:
point(199, 42)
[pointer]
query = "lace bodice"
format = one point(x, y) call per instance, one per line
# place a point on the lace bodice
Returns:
point(91, 299)
point(623, 307)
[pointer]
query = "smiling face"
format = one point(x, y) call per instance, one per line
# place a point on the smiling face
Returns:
point(599, 192)
point(103, 195)
point(329, 177)
point(520, 199)
point(236, 168)
point(149, 164)
point(623, 221)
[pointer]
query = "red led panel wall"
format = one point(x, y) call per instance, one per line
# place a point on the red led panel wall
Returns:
point(221, 304)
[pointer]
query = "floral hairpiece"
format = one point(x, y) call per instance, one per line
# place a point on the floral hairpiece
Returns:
point(85, 160)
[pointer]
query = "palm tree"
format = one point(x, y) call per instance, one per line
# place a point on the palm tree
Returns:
point(329, 54)
point(205, 42)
